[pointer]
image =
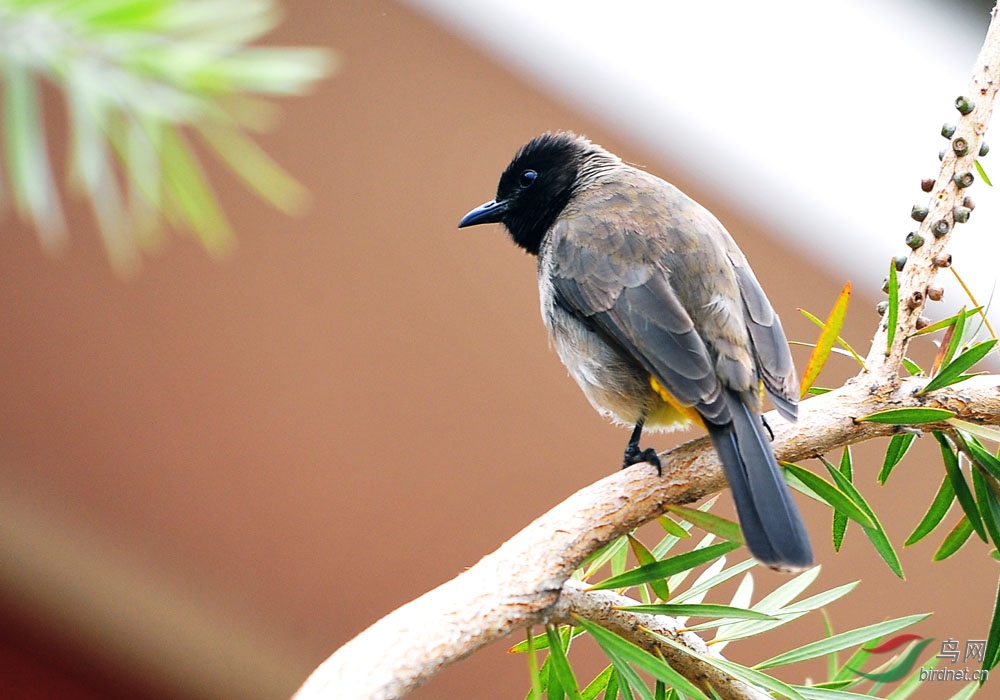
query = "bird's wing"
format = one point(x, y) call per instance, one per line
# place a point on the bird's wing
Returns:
point(770, 347)
point(612, 279)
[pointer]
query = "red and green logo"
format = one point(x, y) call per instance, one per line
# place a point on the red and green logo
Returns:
point(902, 667)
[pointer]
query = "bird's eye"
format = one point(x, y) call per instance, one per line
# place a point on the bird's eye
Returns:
point(527, 177)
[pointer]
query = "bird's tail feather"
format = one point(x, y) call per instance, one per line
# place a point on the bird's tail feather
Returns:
point(771, 523)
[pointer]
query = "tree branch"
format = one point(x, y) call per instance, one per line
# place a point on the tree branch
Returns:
point(525, 581)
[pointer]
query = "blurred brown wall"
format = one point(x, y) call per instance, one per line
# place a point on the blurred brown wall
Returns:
point(360, 402)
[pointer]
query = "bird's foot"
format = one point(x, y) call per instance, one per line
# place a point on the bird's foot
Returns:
point(635, 455)
point(767, 426)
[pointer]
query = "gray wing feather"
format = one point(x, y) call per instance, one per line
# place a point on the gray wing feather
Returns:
point(774, 359)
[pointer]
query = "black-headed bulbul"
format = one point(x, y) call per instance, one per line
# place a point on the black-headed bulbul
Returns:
point(655, 312)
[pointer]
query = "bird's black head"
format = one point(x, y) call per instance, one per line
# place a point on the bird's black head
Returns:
point(535, 188)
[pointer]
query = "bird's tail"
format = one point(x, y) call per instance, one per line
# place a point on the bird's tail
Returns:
point(772, 526)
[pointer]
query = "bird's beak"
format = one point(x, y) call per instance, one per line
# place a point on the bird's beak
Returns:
point(490, 213)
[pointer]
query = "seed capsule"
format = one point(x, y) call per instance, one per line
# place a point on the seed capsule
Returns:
point(914, 240)
point(882, 307)
point(927, 184)
point(948, 130)
point(984, 148)
point(941, 228)
point(942, 260)
point(964, 105)
point(964, 179)
point(935, 293)
point(923, 322)
point(961, 214)
point(899, 262)
point(885, 285)
point(915, 300)
point(961, 146)
point(918, 213)
point(968, 203)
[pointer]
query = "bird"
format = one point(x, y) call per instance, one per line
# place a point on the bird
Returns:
point(656, 314)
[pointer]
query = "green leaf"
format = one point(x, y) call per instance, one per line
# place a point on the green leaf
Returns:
point(912, 367)
point(27, 158)
point(935, 513)
point(953, 542)
point(986, 432)
point(726, 529)
point(957, 320)
point(560, 664)
point(827, 338)
point(898, 447)
point(737, 671)
point(989, 506)
point(646, 558)
point(876, 534)
point(908, 687)
point(701, 587)
point(982, 173)
point(601, 683)
point(980, 455)
point(954, 371)
point(841, 641)
point(908, 416)
point(892, 312)
point(622, 653)
point(533, 672)
point(950, 344)
point(672, 528)
point(697, 610)
point(958, 482)
point(666, 567)
point(830, 494)
point(812, 692)
point(992, 653)
point(603, 555)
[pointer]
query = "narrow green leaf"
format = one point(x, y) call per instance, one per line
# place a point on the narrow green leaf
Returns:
point(989, 506)
point(667, 567)
point(672, 528)
point(982, 173)
point(676, 580)
point(189, 189)
point(899, 445)
point(856, 660)
point(876, 534)
point(839, 521)
point(892, 312)
point(953, 542)
point(698, 610)
point(912, 367)
point(601, 683)
point(533, 672)
point(961, 486)
point(954, 371)
point(841, 641)
point(257, 169)
point(959, 318)
point(908, 416)
point(701, 587)
point(969, 690)
point(827, 338)
point(604, 555)
point(814, 692)
point(560, 664)
point(645, 558)
point(623, 653)
point(992, 653)
point(981, 456)
point(743, 673)
point(613, 686)
point(829, 493)
point(986, 432)
point(935, 513)
point(726, 529)
point(31, 182)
